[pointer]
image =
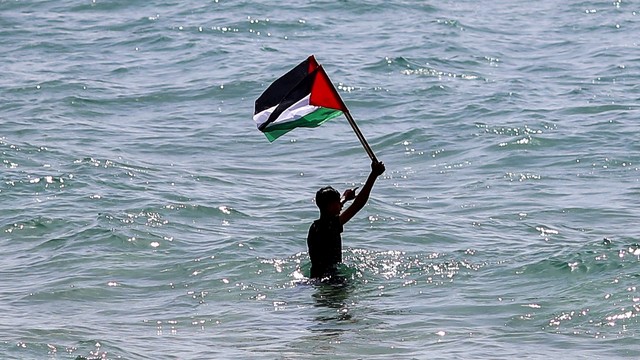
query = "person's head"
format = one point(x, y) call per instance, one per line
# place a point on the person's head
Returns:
point(328, 201)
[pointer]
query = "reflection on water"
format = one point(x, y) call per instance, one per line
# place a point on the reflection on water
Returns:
point(333, 293)
point(332, 298)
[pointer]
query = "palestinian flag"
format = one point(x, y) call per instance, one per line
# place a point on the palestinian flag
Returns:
point(303, 97)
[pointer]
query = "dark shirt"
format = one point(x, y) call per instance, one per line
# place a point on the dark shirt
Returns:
point(325, 246)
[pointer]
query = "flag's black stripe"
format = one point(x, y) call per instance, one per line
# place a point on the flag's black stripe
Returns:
point(276, 92)
point(302, 89)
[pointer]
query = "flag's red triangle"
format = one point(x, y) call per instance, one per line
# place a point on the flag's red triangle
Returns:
point(313, 64)
point(324, 94)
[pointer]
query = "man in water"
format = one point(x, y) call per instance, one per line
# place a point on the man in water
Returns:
point(324, 240)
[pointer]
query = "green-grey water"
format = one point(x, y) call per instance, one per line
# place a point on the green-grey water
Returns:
point(143, 216)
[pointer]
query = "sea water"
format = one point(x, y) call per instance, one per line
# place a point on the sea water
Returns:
point(143, 216)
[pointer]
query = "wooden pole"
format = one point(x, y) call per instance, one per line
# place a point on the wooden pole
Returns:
point(355, 128)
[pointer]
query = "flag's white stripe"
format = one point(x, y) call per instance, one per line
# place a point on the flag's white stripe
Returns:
point(294, 112)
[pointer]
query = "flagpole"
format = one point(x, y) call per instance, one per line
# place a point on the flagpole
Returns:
point(364, 142)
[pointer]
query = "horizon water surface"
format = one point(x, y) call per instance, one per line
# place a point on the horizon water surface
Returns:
point(143, 216)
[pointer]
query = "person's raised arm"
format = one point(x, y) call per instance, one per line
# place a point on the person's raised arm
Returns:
point(377, 168)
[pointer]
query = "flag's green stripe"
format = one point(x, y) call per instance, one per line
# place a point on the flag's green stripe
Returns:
point(313, 119)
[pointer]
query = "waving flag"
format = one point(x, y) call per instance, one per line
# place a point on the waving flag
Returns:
point(303, 97)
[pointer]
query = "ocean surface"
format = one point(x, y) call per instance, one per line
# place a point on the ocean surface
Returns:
point(143, 215)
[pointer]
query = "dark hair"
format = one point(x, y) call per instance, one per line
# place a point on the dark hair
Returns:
point(325, 196)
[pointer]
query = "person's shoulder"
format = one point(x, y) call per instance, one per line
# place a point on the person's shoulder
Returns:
point(314, 225)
